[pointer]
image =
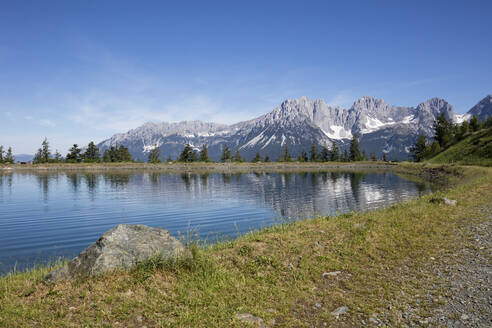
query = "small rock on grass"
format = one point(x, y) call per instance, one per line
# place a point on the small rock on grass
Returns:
point(339, 311)
point(249, 318)
point(448, 201)
point(330, 274)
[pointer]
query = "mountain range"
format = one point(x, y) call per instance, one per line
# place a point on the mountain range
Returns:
point(381, 128)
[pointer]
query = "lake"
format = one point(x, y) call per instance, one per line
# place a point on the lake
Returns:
point(44, 216)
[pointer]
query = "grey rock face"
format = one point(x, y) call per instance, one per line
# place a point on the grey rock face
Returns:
point(120, 248)
point(382, 128)
point(483, 109)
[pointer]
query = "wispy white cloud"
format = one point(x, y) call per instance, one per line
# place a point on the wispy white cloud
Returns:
point(46, 122)
point(28, 118)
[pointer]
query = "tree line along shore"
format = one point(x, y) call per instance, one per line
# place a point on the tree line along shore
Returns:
point(446, 134)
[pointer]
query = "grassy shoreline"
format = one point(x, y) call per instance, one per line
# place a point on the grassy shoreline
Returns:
point(275, 273)
point(198, 167)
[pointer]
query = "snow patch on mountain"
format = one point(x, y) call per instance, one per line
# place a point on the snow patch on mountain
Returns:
point(339, 133)
point(373, 124)
point(253, 141)
point(460, 118)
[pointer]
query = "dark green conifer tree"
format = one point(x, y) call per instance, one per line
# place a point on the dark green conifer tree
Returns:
point(58, 157)
point(204, 154)
point(257, 158)
point(443, 131)
point(226, 154)
point(154, 155)
point(465, 127)
point(186, 154)
point(74, 154)
point(325, 154)
point(92, 153)
point(285, 155)
point(267, 158)
point(355, 149)
point(107, 155)
point(303, 157)
point(334, 152)
point(237, 157)
point(363, 157)
point(314, 152)
point(419, 150)
point(123, 154)
point(345, 156)
point(9, 156)
point(474, 124)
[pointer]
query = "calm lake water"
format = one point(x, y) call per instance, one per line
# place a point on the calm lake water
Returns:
point(44, 216)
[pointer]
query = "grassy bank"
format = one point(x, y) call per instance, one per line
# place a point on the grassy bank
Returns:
point(276, 273)
point(179, 167)
point(475, 149)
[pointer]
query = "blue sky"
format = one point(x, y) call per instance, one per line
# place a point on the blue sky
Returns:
point(76, 71)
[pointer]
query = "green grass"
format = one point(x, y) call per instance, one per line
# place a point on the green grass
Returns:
point(275, 273)
point(475, 149)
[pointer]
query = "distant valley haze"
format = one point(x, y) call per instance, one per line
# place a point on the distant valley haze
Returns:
point(256, 71)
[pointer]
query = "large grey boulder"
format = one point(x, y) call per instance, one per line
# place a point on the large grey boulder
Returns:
point(121, 248)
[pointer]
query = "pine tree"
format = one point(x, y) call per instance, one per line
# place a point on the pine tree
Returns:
point(226, 154)
point(154, 155)
point(385, 159)
point(285, 156)
point(314, 152)
point(38, 157)
point(465, 127)
point(204, 154)
point(237, 156)
point(45, 151)
point(325, 155)
point(458, 132)
point(419, 149)
point(334, 152)
point(443, 131)
point(363, 157)
point(107, 156)
point(474, 124)
point(267, 158)
point(354, 149)
point(74, 154)
point(345, 156)
point(123, 154)
point(92, 153)
point(1, 154)
point(303, 157)
point(186, 154)
point(9, 157)
point(435, 149)
point(257, 158)
point(58, 157)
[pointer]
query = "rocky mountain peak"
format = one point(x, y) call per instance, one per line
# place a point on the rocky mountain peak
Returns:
point(297, 123)
point(483, 109)
point(435, 106)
